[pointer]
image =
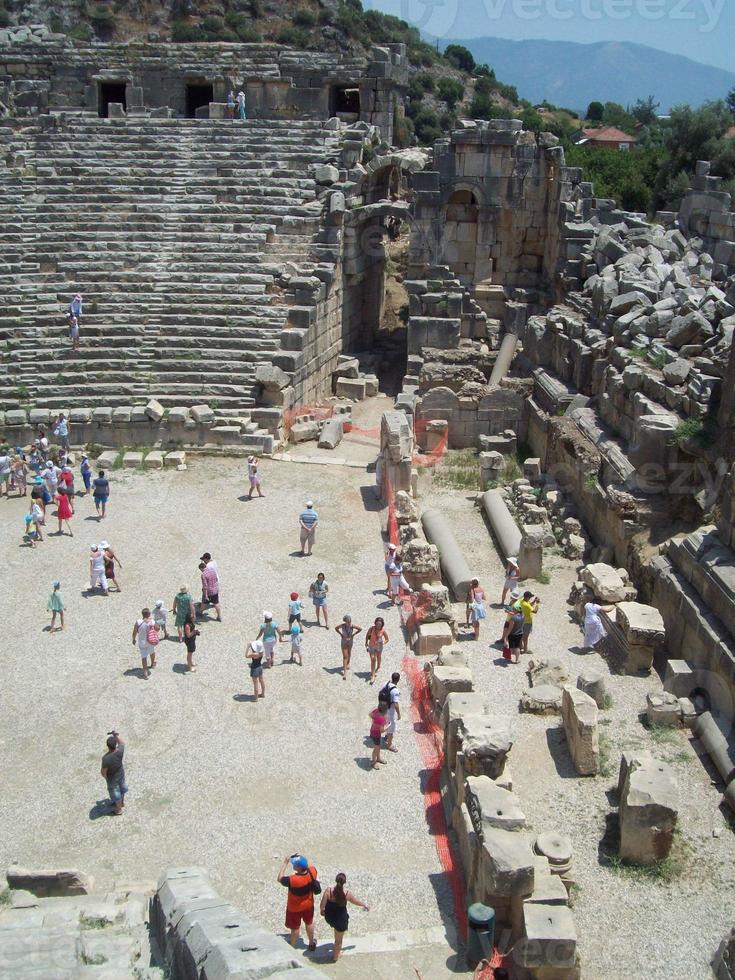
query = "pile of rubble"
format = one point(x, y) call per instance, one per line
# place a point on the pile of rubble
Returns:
point(535, 501)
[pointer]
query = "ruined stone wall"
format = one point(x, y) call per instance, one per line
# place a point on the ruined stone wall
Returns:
point(58, 73)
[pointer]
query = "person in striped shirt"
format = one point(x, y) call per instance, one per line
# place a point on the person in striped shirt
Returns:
point(308, 520)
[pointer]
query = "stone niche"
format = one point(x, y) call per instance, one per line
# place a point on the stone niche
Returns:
point(468, 418)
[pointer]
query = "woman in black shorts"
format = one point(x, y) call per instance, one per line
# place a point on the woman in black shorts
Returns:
point(190, 639)
point(255, 654)
point(515, 636)
point(334, 909)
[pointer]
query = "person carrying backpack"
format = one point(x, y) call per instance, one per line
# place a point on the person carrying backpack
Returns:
point(390, 696)
point(145, 634)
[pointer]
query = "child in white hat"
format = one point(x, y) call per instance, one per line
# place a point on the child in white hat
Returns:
point(160, 618)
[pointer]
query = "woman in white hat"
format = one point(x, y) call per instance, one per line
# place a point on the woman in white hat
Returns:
point(390, 554)
point(255, 653)
point(512, 578)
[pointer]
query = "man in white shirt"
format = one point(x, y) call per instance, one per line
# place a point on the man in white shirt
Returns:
point(390, 696)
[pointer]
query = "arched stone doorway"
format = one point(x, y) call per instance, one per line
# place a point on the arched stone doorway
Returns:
point(461, 220)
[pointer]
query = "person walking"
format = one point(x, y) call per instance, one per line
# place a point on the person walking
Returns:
point(101, 493)
point(38, 496)
point(190, 639)
point(64, 513)
point(66, 480)
point(145, 635)
point(378, 725)
point(182, 603)
point(529, 607)
point(230, 104)
point(301, 884)
point(210, 581)
point(160, 618)
point(512, 578)
point(113, 772)
point(514, 638)
point(110, 559)
point(75, 308)
point(594, 630)
point(390, 696)
point(61, 431)
point(347, 632)
point(270, 635)
point(253, 477)
point(255, 653)
point(86, 471)
point(35, 513)
point(241, 106)
point(20, 473)
point(297, 632)
point(333, 908)
point(55, 606)
point(97, 577)
point(375, 639)
point(308, 521)
point(5, 469)
point(318, 590)
point(295, 608)
point(390, 554)
point(475, 606)
point(74, 333)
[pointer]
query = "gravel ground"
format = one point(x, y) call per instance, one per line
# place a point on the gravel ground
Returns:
point(215, 779)
point(667, 931)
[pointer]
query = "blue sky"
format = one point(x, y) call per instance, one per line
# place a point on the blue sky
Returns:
point(701, 29)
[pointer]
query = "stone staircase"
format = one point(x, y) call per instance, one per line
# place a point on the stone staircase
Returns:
point(175, 232)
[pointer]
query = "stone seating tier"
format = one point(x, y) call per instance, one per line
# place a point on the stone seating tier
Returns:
point(175, 232)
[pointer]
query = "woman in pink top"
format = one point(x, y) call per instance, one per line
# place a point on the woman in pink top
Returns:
point(378, 724)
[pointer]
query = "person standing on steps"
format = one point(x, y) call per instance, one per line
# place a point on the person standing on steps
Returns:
point(308, 520)
point(101, 493)
point(300, 902)
point(74, 333)
point(347, 632)
point(210, 579)
point(375, 640)
point(255, 653)
point(113, 772)
point(230, 104)
point(145, 635)
point(334, 909)
point(241, 106)
point(97, 577)
point(390, 696)
point(318, 590)
point(61, 431)
point(75, 308)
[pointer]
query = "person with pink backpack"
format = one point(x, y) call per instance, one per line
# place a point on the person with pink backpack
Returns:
point(145, 634)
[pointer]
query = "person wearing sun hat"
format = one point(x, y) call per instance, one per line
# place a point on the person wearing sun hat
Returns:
point(302, 885)
point(255, 653)
point(512, 578)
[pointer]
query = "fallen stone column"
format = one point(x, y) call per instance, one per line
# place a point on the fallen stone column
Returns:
point(707, 731)
point(504, 528)
point(504, 359)
point(452, 560)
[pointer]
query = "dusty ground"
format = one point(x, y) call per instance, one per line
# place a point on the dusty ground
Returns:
point(662, 931)
point(215, 779)
point(219, 781)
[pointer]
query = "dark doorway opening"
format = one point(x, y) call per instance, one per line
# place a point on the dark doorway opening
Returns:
point(196, 97)
point(111, 92)
point(345, 100)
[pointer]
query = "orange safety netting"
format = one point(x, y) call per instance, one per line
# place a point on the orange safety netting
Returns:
point(430, 740)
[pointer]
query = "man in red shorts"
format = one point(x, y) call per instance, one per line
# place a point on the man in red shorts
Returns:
point(300, 902)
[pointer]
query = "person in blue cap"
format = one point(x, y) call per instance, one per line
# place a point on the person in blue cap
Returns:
point(302, 885)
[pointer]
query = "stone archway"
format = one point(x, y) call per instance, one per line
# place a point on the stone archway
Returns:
point(461, 220)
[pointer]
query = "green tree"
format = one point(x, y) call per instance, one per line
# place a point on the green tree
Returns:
point(532, 120)
point(731, 100)
point(459, 56)
point(595, 111)
point(450, 91)
point(646, 111)
point(692, 135)
point(427, 126)
point(616, 115)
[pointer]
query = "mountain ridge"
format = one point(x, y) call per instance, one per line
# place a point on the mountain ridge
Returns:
point(572, 74)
